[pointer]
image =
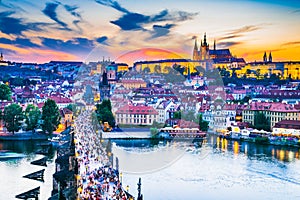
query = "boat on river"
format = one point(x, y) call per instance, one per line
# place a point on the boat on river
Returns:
point(261, 137)
point(6, 155)
point(180, 133)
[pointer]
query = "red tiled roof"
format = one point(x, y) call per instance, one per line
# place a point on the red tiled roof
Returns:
point(292, 124)
point(40, 105)
point(275, 107)
point(132, 81)
point(138, 109)
point(289, 122)
point(59, 99)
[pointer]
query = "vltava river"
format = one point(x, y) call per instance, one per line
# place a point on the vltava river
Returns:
point(12, 170)
point(219, 169)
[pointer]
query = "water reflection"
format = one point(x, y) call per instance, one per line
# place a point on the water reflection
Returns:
point(215, 167)
point(12, 170)
point(26, 147)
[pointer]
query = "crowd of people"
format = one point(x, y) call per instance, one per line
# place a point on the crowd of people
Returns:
point(97, 180)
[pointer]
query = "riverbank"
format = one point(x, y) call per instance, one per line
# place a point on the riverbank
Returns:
point(264, 139)
point(22, 136)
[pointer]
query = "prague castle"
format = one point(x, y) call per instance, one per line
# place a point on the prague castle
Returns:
point(204, 53)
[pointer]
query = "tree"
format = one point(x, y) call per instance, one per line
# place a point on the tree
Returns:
point(258, 73)
point(32, 116)
point(172, 76)
point(12, 117)
point(157, 69)
point(177, 115)
point(50, 116)
point(189, 116)
point(17, 81)
point(104, 113)
point(5, 92)
point(261, 122)
point(202, 123)
point(146, 70)
point(246, 99)
point(72, 107)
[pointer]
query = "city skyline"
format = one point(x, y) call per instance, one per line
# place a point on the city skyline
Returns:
point(41, 31)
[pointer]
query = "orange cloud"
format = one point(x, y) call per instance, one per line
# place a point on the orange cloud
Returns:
point(35, 55)
point(147, 54)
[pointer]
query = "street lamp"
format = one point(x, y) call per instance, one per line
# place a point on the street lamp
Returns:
point(121, 177)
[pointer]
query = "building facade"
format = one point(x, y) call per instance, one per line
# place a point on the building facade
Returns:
point(136, 115)
point(274, 112)
point(204, 53)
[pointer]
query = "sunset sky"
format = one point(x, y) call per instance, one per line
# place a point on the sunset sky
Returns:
point(40, 31)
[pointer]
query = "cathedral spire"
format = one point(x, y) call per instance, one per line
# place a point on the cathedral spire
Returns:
point(195, 51)
point(265, 57)
point(214, 44)
point(270, 57)
point(205, 39)
point(196, 46)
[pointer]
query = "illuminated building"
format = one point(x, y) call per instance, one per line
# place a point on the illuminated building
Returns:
point(136, 114)
point(204, 53)
point(291, 70)
point(274, 112)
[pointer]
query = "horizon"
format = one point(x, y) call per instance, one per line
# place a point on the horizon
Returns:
point(44, 31)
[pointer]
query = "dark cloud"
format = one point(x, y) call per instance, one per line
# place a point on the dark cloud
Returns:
point(75, 45)
point(25, 42)
point(159, 31)
point(12, 25)
point(76, 24)
point(175, 16)
point(102, 40)
point(5, 41)
point(72, 10)
point(291, 43)
point(50, 11)
point(135, 21)
point(19, 42)
point(11, 6)
point(113, 4)
point(228, 44)
point(132, 21)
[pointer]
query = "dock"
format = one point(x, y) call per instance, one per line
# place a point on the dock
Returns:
point(40, 162)
point(31, 194)
point(38, 175)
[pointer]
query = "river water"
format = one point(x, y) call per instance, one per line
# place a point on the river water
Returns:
point(217, 169)
point(12, 170)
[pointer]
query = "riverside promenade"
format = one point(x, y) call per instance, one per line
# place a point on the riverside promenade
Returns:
point(96, 177)
point(22, 136)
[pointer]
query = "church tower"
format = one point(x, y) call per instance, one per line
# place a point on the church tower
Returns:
point(195, 51)
point(214, 45)
point(104, 87)
point(265, 57)
point(270, 57)
point(1, 57)
point(204, 51)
